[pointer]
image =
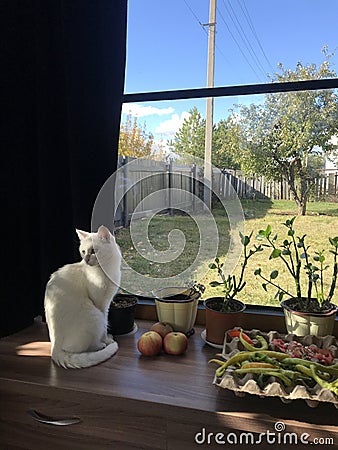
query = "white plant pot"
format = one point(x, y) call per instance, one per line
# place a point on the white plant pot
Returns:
point(304, 324)
point(180, 313)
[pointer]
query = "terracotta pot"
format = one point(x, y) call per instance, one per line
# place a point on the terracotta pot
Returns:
point(304, 324)
point(217, 322)
point(176, 308)
point(121, 314)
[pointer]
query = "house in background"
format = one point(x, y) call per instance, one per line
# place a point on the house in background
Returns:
point(331, 166)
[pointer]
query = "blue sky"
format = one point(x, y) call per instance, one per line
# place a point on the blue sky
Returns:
point(167, 49)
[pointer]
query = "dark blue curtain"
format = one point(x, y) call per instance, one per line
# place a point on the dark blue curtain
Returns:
point(62, 70)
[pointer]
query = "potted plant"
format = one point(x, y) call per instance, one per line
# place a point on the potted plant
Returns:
point(308, 310)
point(178, 305)
point(224, 313)
point(121, 314)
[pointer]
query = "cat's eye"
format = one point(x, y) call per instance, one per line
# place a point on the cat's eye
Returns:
point(92, 251)
point(83, 252)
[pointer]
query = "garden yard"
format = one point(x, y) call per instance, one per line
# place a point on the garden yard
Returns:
point(319, 224)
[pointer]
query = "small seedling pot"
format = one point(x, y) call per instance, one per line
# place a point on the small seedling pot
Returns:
point(218, 322)
point(121, 314)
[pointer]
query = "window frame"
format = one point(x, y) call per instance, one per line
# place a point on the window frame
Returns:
point(228, 91)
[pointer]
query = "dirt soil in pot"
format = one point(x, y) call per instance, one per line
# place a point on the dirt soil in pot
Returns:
point(123, 301)
point(303, 305)
point(216, 305)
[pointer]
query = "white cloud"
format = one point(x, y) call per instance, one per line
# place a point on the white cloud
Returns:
point(169, 127)
point(141, 111)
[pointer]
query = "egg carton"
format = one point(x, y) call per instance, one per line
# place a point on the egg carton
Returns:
point(274, 388)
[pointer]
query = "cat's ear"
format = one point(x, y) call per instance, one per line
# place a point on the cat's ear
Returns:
point(82, 234)
point(104, 233)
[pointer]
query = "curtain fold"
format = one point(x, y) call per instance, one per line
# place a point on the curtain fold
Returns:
point(63, 72)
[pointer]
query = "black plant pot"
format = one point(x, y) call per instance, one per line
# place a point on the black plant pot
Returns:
point(121, 314)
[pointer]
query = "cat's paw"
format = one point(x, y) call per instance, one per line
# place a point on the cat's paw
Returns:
point(109, 339)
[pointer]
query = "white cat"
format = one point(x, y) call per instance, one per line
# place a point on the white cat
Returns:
point(77, 301)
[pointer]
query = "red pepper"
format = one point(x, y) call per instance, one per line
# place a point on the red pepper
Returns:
point(236, 333)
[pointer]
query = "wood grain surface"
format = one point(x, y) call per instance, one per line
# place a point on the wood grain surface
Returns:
point(134, 402)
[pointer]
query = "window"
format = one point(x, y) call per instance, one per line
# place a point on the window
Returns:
point(166, 88)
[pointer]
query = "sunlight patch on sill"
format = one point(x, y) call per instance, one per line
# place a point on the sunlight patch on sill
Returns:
point(34, 349)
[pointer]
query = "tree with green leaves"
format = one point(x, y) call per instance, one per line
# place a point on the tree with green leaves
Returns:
point(281, 137)
point(224, 142)
point(190, 139)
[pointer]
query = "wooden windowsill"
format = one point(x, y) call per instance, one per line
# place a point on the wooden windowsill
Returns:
point(165, 400)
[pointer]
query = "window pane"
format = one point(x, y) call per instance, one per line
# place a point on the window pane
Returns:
point(256, 139)
point(168, 46)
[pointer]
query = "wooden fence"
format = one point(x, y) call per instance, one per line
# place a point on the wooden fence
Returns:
point(258, 187)
point(148, 186)
point(325, 186)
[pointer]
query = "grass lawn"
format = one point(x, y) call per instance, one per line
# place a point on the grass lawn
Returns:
point(320, 223)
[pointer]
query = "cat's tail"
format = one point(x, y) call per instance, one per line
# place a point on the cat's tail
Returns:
point(81, 360)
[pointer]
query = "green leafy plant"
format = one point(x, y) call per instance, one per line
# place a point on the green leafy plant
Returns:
point(232, 284)
point(300, 264)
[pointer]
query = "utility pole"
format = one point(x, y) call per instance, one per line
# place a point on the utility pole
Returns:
point(209, 106)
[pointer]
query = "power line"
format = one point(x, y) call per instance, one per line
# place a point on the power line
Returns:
point(221, 52)
point(238, 45)
point(195, 16)
point(242, 34)
point(205, 31)
point(251, 25)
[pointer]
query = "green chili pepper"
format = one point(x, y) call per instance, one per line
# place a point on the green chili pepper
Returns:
point(246, 344)
point(257, 355)
point(263, 354)
point(332, 370)
point(294, 375)
point(324, 375)
point(235, 359)
point(263, 342)
point(258, 365)
point(252, 348)
point(255, 370)
point(291, 374)
point(217, 361)
point(269, 372)
point(311, 372)
point(261, 357)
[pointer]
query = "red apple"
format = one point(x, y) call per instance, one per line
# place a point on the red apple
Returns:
point(175, 343)
point(150, 343)
point(162, 328)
